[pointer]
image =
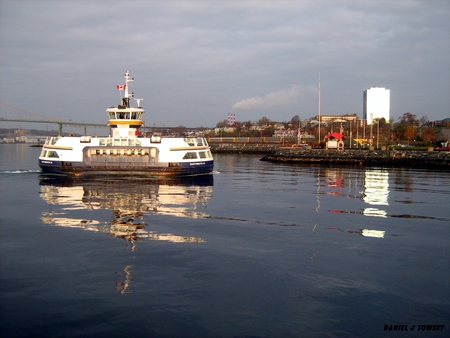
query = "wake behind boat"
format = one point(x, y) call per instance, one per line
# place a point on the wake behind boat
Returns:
point(126, 152)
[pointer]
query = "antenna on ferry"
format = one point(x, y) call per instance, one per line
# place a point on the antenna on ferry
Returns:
point(127, 79)
point(139, 102)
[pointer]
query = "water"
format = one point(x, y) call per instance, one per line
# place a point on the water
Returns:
point(259, 250)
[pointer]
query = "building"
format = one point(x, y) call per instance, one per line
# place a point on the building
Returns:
point(337, 118)
point(376, 104)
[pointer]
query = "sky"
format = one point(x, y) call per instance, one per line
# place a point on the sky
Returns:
point(196, 61)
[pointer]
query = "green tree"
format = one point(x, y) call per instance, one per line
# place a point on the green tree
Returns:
point(399, 131)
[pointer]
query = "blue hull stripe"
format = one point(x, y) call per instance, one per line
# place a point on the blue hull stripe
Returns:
point(180, 169)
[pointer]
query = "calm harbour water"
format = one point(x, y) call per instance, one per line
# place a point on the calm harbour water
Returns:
point(257, 250)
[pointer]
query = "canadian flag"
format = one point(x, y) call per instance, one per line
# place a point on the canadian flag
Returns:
point(121, 87)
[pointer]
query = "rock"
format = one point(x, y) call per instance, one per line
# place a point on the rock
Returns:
point(407, 158)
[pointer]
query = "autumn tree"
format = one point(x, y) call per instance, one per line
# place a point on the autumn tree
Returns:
point(409, 133)
point(429, 135)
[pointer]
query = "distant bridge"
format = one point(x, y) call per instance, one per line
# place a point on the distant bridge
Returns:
point(60, 124)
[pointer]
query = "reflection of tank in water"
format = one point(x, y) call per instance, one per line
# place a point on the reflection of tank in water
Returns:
point(129, 200)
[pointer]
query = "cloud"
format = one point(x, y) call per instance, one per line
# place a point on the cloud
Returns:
point(193, 60)
point(274, 99)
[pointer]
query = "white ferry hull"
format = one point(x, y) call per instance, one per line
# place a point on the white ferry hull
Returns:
point(126, 169)
point(141, 157)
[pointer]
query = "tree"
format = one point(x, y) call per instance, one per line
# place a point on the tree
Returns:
point(222, 124)
point(424, 120)
point(264, 121)
point(295, 120)
point(399, 131)
point(409, 133)
point(408, 119)
point(429, 135)
point(247, 124)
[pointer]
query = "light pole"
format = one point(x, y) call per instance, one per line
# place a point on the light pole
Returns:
point(378, 133)
point(357, 133)
point(364, 133)
point(319, 109)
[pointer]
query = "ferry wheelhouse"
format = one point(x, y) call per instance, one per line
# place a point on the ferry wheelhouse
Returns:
point(126, 151)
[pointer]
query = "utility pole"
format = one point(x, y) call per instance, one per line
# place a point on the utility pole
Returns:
point(319, 110)
point(357, 134)
point(378, 133)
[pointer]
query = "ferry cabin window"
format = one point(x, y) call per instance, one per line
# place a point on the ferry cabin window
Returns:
point(52, 154)
point(190, 141)
point(112, 115)
point(202, 154)
point(190, 156)
point(199, 141)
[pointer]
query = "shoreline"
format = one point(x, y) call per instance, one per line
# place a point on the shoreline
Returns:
point(388, 158)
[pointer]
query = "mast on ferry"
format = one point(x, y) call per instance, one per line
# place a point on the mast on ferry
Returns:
point(124, 120)
point(126, 98)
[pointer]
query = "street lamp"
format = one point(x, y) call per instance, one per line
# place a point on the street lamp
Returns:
point(378, 133)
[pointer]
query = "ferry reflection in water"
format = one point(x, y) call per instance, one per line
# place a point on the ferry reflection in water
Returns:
point(129, 201)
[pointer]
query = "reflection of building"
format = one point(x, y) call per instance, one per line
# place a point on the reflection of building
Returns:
point(376, 104)
point(129, 201)
point(376, 191)
point(334, 178)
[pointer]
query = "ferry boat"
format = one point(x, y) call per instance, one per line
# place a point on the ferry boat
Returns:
point(126, 151)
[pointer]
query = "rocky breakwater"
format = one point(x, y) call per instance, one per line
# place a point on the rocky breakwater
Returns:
point(407, 158)
point(243, 148)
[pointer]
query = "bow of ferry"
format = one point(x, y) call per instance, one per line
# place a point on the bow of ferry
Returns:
point(126, 151)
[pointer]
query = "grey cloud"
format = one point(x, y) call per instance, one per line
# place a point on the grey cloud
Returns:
point(273, 99)
point(194, 61)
